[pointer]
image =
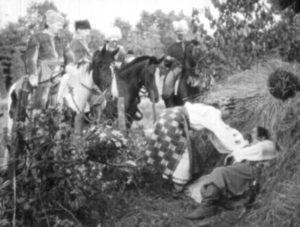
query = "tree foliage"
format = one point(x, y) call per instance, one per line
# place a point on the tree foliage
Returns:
point(35, 17)
point(14, 37)
point(124, 26)
point(246, 32)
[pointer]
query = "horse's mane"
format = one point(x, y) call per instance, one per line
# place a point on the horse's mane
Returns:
point(138, 60)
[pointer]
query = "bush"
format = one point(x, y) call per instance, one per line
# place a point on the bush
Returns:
point(67, 181)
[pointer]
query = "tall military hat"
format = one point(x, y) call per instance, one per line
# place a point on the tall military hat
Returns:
point(82, 24)
point(180, 26)
point(114, 33)
point(53, 17)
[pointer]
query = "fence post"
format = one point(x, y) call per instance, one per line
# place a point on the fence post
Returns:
point(16, 145)
point(121, 114)
point(153, 107)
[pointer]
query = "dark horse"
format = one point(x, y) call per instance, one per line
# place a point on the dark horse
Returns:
point(130, 78)
point(192, 82)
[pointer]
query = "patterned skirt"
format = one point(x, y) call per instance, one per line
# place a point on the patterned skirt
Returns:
point(167, 146)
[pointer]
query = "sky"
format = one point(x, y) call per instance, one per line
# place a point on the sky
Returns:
point(102, 13)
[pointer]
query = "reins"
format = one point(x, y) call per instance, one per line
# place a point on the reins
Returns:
point(94, 91)
point(58, 74)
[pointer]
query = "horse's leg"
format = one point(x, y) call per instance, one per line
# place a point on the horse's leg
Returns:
point(11, 104)
point(11, 107)
point(183, 92)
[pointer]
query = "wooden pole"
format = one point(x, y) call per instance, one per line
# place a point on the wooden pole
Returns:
point(153, 107)
point(121, 114)
point(16, 147)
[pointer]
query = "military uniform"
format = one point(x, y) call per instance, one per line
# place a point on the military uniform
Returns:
point(42, 46)
point(176, 51)
point(113, 36)
point(174, 61)
point(44, 58)
point(120, 56)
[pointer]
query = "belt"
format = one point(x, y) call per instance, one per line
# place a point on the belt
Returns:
point(253, 163)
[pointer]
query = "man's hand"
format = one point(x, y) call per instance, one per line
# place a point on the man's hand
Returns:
point(33, 80)
point(118, 64)
point(168, 61)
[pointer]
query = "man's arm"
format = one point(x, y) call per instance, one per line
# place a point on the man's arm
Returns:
point(261, 151)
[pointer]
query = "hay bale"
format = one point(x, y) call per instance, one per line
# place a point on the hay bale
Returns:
point(254, 103)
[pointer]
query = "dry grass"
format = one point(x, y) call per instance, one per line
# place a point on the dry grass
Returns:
point(279, 202)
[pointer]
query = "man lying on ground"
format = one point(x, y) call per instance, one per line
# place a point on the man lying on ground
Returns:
point(235, 180)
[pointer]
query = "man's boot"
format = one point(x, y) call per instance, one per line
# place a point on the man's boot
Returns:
point(207, 208)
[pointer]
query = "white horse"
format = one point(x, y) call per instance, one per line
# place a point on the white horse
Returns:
point(75, 88)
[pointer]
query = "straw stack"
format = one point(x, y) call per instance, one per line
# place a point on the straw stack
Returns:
point(254, 103)
point(256, 106)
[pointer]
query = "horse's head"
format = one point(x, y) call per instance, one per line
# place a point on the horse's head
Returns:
point(150, 81)
point(101, 65)
point(195, 79)
point(192, 54)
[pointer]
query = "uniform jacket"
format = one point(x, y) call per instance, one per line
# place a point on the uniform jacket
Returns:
point(176, 50)
point(42, 46)
point(77, 51)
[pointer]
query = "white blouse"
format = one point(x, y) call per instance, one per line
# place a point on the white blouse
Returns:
point(205, 116)
point(261, 151)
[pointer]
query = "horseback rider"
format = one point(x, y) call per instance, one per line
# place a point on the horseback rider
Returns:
point(113, 37)
point(78, 50)
point(43, 57)
point(129, 57)
point(174, 61)
point(77, 54)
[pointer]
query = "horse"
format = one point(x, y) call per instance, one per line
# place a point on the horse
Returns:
point(192, 83)
point(125, 82)
point(74, 89)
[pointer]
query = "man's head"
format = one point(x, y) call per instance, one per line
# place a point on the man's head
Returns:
point(83, 28)
point(181, 29)
point(260, 133)
point(227, 106)
point(113, 36)
point(54, 21)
